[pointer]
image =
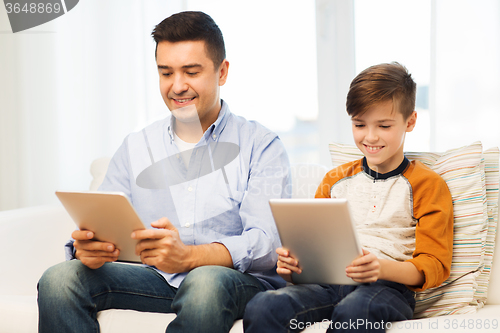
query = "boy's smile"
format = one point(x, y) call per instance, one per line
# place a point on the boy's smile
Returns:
point(380, 133)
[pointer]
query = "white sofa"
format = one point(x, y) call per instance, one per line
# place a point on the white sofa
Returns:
point(33, 238)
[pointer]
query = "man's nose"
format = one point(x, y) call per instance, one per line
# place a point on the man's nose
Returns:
point(180, 85)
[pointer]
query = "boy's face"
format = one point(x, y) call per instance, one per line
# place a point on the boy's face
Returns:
point(189, 83)
point(380, 134)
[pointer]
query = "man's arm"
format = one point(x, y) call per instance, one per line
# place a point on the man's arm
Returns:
point(254, 249)
point(163, 248)
point(269, 177)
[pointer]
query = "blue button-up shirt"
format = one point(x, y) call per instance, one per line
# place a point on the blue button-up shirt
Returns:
point(221, 196)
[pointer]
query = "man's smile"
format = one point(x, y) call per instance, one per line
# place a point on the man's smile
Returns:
point(183, 100)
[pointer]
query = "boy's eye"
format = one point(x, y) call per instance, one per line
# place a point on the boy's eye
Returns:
point(192, 73)
point(166, 74)
point(359, 125)
point(385, 126)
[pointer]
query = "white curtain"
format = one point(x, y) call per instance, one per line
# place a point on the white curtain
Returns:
point(450, 46)
point(71, 90)
point(466, 100)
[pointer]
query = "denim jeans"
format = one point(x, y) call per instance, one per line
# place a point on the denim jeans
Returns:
point(208, 300)
point(351, 308)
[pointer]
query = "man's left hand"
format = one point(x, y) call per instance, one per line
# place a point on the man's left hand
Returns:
point(162, 247)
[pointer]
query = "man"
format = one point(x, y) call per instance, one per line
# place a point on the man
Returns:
point(204, 177)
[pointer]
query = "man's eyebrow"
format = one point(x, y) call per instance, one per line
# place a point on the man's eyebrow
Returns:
point(192, 66)
point(184, 67)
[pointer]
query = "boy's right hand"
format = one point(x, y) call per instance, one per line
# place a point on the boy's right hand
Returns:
point(92, 253)
point(287, 264)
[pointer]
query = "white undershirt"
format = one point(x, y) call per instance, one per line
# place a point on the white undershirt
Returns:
point(185, 148)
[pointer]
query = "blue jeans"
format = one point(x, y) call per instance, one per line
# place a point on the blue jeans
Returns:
point(356, 308)
point(208, 300)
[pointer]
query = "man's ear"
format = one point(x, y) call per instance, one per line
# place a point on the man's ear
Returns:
point(411, 121)
point(223, 70)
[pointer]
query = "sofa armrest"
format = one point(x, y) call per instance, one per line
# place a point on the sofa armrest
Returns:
point(33, 240)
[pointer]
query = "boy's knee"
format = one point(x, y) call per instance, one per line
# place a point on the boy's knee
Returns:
point(268, 303)
point(268, 309)
point(259, 306)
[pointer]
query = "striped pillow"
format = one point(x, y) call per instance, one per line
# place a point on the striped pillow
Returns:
point(463, 169)
point(491, 157)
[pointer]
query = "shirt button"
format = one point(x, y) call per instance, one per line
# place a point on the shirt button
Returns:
point(187, 225)
point(190, 189)
point(214, 136)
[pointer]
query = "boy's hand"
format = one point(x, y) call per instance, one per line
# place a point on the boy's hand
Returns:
point(364, 269)
point(287, 264)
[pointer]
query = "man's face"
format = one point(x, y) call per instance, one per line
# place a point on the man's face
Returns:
point(380, 134)
point(189, 82)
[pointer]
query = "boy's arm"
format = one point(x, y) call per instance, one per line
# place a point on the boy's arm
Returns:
point(433, 208)
point(369, 268)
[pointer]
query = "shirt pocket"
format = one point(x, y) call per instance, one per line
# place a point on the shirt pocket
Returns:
point(223, 218)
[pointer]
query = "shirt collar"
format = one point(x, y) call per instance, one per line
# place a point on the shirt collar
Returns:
point(212, 131)
point(399, 170)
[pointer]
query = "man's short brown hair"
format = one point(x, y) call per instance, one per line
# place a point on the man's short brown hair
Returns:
point(192, 26)
point(381, 83)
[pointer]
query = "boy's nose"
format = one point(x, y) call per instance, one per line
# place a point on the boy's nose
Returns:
point(372, 136)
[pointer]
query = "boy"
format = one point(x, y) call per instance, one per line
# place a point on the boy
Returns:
point(404, 216)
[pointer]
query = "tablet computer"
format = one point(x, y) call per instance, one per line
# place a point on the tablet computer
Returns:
point(321, 235)
point(110, 215)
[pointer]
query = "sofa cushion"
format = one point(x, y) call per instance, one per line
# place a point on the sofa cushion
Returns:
point(463, 169)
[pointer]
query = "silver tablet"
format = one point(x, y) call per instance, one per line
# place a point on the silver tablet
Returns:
point(109, 215)
point(320, 234)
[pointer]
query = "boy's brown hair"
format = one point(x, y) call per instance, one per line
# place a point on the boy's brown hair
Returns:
point(381, 83)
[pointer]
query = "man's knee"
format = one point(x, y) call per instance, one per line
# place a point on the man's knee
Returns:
point(60, 275)
point(208, 282)
point(58, 281)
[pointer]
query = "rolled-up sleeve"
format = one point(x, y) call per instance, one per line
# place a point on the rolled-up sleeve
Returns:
point(269, 177)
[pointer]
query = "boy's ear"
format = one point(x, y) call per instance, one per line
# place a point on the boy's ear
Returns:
point(411, 122)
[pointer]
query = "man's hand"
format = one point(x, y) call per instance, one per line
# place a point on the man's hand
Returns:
point(364, 269)
point(163, 248)
point(287, 264)
point(91, 253)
